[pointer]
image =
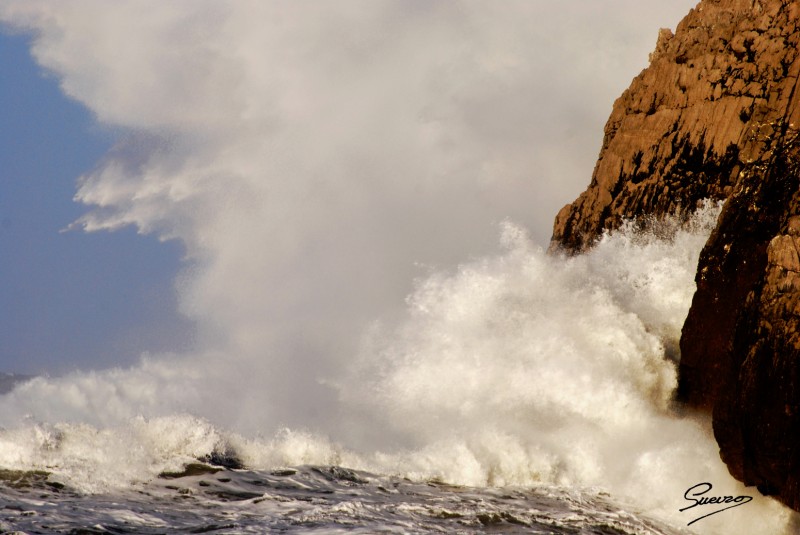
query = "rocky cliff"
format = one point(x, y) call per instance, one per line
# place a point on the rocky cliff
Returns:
point(714, 116)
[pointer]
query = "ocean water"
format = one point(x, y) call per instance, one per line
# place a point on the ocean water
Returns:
point(519, 393)
point(318, 499)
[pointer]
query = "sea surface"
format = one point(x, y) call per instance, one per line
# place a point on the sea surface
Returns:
point(311, 499)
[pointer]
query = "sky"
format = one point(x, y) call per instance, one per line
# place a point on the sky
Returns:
point(274, 176)
point(68, 300)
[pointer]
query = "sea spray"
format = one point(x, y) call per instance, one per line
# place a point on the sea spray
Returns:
point(310, 156)
point(515, 370)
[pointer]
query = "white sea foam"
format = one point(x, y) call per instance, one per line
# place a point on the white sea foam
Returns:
point(525, 368)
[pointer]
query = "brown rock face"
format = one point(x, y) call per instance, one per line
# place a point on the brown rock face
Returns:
point(715, 116)
point(675, 136)
point(755, 396)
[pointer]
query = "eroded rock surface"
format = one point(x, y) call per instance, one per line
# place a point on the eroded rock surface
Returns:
point(676, 135)
point(716, 116)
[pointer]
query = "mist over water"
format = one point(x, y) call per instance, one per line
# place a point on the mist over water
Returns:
point(314, 160)
point(339, 176)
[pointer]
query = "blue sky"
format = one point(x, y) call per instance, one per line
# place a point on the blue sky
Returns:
point(68, 299)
